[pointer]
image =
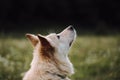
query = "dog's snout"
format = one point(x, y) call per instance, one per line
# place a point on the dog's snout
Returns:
point(71, 28)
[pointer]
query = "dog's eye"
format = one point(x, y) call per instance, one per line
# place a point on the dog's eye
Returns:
point(58, 36)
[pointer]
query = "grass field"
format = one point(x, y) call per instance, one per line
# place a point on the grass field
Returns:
point(94, 58)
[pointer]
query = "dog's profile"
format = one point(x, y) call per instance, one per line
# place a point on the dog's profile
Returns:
point(50, 56)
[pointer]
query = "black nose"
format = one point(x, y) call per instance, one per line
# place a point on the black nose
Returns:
point(71, 28)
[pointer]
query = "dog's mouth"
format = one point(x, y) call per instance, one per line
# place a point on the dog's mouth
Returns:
point(70, 43)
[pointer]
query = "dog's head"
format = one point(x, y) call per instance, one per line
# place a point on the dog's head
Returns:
point(53, 45)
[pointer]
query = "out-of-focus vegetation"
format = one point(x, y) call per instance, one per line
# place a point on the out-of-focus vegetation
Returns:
point(94, 58)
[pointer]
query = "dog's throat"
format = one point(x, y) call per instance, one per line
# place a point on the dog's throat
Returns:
point(59, 75)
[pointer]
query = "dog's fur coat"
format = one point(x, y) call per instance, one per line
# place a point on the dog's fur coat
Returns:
point(50, 56)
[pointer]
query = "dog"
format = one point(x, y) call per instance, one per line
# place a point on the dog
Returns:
point(50, 56)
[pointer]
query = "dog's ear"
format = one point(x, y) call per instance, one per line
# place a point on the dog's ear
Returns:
point(34, 39)
point(46, 49)
point(43, 40)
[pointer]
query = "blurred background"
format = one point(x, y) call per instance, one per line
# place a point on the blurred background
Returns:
point(96, 51)
point(101, 16)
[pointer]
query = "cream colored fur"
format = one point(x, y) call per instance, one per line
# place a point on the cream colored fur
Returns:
point(50, 56)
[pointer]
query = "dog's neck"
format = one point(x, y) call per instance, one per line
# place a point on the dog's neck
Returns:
point(56, 74)
point(58, 67)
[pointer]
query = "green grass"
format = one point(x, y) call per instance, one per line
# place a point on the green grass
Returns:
point(94, 58)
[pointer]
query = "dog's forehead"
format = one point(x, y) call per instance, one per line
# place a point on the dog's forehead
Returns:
point(51, 35)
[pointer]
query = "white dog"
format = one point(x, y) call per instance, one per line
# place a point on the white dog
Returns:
point(50, 56)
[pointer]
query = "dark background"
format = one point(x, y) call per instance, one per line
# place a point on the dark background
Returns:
point(99, 16)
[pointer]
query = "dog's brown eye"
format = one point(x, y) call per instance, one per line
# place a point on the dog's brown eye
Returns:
point(58, 36)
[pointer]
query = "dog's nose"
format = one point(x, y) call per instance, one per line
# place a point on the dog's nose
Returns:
point(71, 28)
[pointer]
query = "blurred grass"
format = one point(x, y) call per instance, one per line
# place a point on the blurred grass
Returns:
point(94, 58)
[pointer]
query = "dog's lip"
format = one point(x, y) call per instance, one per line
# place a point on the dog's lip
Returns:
point(70, 43)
